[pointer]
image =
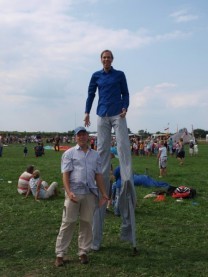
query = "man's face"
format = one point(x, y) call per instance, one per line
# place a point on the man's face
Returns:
point(106, 60)
point(82, 138)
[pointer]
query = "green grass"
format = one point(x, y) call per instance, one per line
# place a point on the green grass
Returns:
point(172, 237)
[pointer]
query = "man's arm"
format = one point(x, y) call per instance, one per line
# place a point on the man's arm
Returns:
point(28, 191)
point(87, 120)
point(38, 189)
point(100, 183)
point(159, 154)
point(91, 95)
point(71, 195)
point(124, 92)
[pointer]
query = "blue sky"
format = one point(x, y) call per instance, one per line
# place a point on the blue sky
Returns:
point(49, 50)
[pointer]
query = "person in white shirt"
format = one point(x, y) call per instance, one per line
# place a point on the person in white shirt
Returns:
point(162, 158)
point(196, 151)
point(82, 177)
point(40, 188)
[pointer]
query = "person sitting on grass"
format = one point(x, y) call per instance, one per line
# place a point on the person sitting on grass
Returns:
point(39, 188)
point(24, 179)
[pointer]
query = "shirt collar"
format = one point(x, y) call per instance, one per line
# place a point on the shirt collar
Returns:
point(111, 70)
point(79, 148)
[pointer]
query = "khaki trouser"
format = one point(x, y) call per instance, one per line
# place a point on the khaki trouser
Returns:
point(85, 210)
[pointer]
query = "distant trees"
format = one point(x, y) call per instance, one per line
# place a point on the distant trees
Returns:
point(144, 134)
point(129, 131)
point(200, 133)
point(37, 134)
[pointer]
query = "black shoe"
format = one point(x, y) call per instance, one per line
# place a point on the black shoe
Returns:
point(59, 262)
point(83, 259)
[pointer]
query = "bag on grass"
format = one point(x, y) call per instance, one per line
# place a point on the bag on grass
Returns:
point(184, 192)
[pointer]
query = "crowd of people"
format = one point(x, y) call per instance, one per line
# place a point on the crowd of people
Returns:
point(150, 146)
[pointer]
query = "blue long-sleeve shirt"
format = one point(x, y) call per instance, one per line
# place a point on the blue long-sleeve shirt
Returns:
point(113, 92)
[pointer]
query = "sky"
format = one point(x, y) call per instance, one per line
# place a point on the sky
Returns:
point(50, 49)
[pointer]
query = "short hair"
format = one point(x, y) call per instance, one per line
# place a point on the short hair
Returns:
point(30, 169)
point(107, 51)
point(36, 174)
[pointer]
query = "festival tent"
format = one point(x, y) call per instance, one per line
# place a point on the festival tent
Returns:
point(184, 134)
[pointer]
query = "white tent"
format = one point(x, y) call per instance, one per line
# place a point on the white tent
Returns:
point(184, 134)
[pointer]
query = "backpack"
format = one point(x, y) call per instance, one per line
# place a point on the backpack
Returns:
point(184, 192)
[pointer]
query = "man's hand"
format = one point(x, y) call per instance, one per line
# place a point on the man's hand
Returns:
point(72, 197)
point(123, 114)
point(87, 120)
point(103, 200)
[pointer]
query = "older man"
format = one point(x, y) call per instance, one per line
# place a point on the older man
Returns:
point(81, 167)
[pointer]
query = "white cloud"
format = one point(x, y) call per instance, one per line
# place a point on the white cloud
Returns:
point(154, 106)
point(183, 16)
point(45, 62)
point(175, 35)
point(194, 99)
point(149, 94)
point(164, 95)
point(165, 86)
point(41, 41)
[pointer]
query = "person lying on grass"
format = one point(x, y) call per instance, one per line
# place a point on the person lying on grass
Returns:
point(39, 188)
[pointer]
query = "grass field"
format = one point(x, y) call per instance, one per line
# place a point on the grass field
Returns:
point(172, 237)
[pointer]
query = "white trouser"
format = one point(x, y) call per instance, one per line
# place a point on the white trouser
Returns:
point(51, 190)
point(104, 127)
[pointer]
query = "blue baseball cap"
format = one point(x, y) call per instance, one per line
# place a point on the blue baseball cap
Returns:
point(79, 129)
